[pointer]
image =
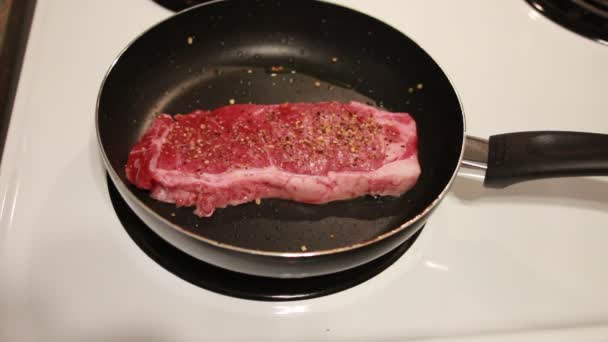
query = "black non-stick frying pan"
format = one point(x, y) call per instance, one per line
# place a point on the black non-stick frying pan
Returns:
point(207, 55)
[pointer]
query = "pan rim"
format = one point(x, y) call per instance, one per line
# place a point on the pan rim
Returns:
point(136, 201)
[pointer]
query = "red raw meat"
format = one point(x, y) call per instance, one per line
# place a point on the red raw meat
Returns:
point(307, 152)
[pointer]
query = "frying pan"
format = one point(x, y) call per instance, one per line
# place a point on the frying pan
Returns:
point(209, 54)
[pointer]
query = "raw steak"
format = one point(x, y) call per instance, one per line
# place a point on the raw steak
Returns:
point(306, 152)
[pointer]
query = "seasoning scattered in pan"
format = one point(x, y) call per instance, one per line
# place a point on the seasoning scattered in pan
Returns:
point(334, 59)
point(190, 40)
point(303, 248)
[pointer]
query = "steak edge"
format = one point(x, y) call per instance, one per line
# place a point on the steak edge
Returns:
point(307, 152)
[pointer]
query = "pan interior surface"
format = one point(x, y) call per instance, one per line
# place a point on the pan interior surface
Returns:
point(283, 51)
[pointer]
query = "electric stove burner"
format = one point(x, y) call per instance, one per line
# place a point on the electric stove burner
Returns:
point(241, 285)
point(588, 18)
point(178, 5)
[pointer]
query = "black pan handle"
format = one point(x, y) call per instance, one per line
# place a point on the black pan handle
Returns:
point(516, 157)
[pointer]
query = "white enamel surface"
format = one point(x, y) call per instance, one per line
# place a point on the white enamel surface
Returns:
point(523, 264)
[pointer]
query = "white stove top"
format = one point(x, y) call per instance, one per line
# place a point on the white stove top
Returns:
point(523, 264)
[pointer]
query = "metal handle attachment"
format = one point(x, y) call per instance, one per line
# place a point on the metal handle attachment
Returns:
point(475, 160)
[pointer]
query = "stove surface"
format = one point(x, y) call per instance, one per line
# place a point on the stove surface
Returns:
point(522, 264)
